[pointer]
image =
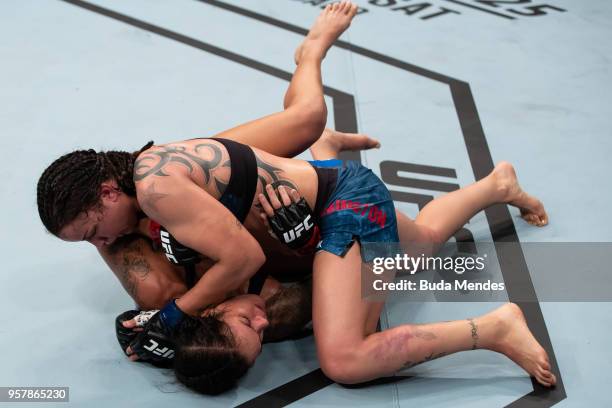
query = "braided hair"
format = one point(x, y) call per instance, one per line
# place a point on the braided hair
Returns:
point(71, 184)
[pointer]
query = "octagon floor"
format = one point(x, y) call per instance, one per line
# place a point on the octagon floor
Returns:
point(452, 84)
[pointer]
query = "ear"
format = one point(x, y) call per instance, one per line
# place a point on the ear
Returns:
point(209, 311)
point(109, 191)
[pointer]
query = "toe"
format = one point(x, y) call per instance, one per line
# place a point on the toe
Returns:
point(546, 377)
point(545, 374)
point(347, 8)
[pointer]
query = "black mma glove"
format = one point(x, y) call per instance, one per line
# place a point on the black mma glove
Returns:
point(155, 344)
point(176, 252)
point(294, 226)
point(124, 335)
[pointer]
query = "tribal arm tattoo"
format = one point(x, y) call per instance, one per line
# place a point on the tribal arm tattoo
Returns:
point(268, 174)
point(154, 163)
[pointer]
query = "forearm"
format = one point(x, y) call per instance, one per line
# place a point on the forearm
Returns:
point(289, 310)
point(212, 288)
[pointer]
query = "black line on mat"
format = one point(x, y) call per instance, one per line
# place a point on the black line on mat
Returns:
point(339, 43)
point(290, 392)
point(472, 6)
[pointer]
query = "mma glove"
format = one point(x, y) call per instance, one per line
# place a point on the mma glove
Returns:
point(154, 344)
point(124, 335)
point(294, 226)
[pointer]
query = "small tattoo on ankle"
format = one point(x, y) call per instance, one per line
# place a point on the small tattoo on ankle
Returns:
point(474, 333)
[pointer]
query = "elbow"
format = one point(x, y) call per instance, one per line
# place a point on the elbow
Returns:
point(256, 259)
point(251, 262)
point(244, 260)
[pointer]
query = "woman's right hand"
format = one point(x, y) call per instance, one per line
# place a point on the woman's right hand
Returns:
point(289, 219)
point(268, 206)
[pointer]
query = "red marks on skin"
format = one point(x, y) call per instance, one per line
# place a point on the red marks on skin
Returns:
point(154, 232)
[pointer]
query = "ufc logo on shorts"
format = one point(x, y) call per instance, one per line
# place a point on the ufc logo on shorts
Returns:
point(296, 232)
point(165, 241)
point(159, 351)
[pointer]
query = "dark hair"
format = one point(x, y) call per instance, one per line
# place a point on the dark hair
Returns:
point(71, 184)
point(207, 359)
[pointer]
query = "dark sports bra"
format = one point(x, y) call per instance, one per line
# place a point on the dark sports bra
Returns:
point(240, 191)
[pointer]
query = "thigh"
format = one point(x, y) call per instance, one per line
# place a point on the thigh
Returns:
point(416, 239)
point(339, 314)
point(284, 134)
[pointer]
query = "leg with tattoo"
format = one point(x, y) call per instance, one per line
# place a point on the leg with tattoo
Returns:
point(350, 353)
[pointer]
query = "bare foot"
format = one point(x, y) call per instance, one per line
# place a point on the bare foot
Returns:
point(333, 142)
point(514, 339)
point(532, 209)
point(332, 22)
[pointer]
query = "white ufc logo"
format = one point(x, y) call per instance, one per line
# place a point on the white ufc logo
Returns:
point(159, 351)
point(165, 240)
point(296, 232)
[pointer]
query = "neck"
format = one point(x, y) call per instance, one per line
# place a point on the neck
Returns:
point(143, 226)
point(136, 204)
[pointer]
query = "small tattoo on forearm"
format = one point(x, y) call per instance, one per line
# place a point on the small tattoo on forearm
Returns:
point(474, 333)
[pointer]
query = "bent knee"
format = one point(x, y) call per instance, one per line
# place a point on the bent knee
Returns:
point(435, 236)
point(311, 117)
point(339, 365)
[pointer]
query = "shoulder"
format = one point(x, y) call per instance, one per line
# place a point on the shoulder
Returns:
point(127, 243)
point(157, 165)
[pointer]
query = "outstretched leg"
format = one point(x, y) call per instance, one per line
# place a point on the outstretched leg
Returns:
point(441, 217)
point(293, 130)
point(351, 352)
